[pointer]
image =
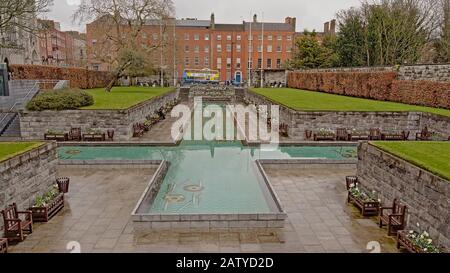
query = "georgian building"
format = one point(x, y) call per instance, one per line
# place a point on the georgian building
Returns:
point(235, 50)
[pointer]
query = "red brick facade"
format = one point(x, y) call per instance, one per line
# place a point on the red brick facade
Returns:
point(203, 44)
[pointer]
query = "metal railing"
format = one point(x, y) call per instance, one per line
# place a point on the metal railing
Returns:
point(30, 91)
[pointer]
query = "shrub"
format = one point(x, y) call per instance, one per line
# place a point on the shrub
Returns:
point(67, 99)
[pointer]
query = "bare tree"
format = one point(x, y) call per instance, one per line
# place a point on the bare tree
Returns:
point(118, 25)
point(16, 14)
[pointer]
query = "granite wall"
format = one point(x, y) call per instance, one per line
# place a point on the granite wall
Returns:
point(35, 124)
point(426, 195)
point(27, 176)
point(299, 122)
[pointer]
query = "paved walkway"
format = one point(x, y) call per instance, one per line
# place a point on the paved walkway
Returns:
point(100, 202)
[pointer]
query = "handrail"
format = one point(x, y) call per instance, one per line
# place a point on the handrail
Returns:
point(28, 94)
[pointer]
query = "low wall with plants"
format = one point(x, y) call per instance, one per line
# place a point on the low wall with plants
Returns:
point(389, 122)
point(35, 124)
point(426, 195)
point(78, 77)
point(378, 85)
point(27, 176)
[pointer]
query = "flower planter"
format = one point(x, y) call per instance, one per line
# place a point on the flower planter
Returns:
point(3, 245)
point(56, 137)
point(44, 214)
point(94, 137)
point(357, 137)
point(324, 137)
point(403, 241)
point(368, 208)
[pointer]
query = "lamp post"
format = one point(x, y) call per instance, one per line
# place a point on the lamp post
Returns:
point(262, 50)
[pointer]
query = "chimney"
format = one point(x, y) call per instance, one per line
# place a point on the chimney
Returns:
point(213, 21)
point(255, 18)
point(326, 27)
point(333, 27)
point(291, 21)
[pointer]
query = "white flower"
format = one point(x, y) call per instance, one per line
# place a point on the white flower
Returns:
point(379, 200)
point(426, 234)
point(430, 241)
point(411, 232)
point(425, 249)
point(418, 225)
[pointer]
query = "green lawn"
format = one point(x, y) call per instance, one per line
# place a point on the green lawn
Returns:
point(123, 97)
point(11, 149)
point(431, 156)
point(317, 101)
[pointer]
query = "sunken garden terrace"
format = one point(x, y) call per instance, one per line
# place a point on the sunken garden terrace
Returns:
point(112, 117)
point(28, 170)
point(418, 174)
point(309, 117)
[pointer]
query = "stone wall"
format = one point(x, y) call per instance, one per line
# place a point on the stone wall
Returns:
point(299, 121)
point(426, 195)
point(436, 123)
point(425, 72)
point(35, 124)
point(27, 176)
point(78, 77)
point(384, 85)
point(421, 72)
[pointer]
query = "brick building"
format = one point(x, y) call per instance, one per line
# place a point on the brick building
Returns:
point(61, 48)
point(235, 50)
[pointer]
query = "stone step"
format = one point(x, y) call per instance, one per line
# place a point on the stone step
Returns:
point(13, 130)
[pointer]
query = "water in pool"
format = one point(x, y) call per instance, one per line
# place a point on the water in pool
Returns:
point(208, 177)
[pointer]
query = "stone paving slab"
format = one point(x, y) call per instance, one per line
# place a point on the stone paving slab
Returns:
point(98, 215)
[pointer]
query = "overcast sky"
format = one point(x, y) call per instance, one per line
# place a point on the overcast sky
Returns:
point(311, 14)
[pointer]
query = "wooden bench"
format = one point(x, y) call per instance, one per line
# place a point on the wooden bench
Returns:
point(375, 134)
point(284, 130)
point(395, 220)
point(3, 245)
point(75, 134)
point(15, 227)
point(424, 135)
point(138, 130)
point(342, 134)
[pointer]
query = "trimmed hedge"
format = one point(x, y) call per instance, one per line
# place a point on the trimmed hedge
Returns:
point(382, 86)
point(68, 99)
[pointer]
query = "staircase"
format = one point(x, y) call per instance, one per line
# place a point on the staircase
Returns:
point(12, 127)
point(20, 93)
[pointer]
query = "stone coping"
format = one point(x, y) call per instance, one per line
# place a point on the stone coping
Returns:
point(397, 158)
point(205, 220)
point(125, 110)
point(27, 156)
point(119, 143)
point(307, 143)
point(108, 162)
point(307, 161)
